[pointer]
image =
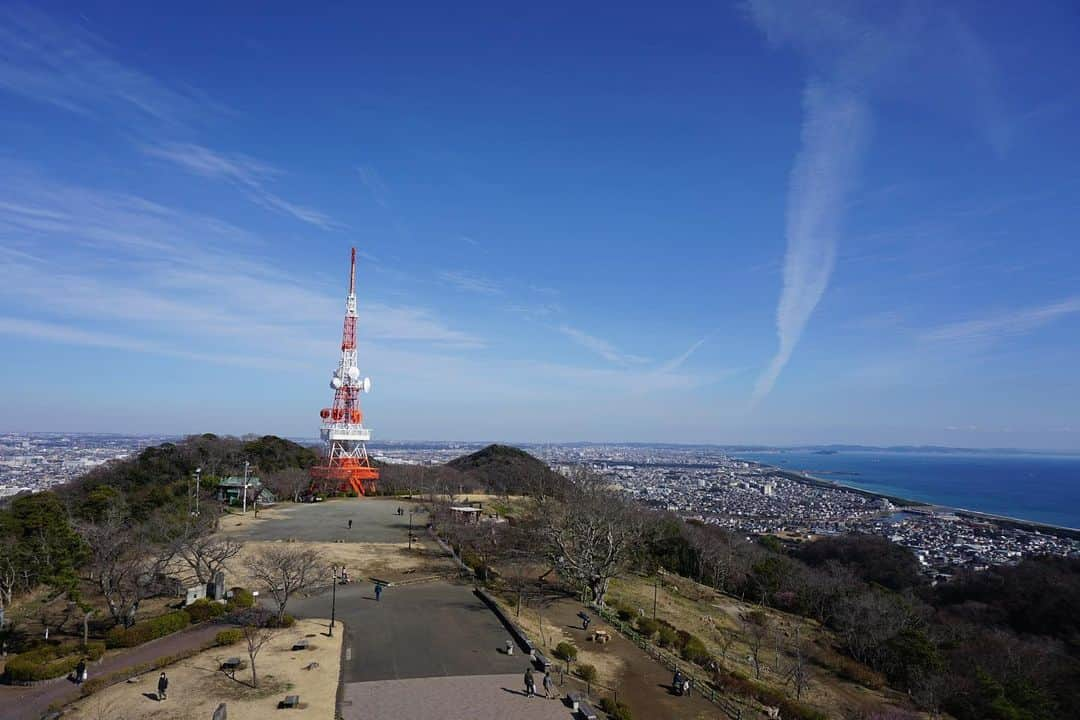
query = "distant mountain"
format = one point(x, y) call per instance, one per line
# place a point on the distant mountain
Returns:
point(502, 468)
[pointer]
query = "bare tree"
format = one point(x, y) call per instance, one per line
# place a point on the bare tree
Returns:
point(756, 629)
point(289, 483)
point(590, 534)
point(798, 674)
point(207, 554)
point(283, 572)
point(257, 633)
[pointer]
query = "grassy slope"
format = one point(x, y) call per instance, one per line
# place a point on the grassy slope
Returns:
point(709, 615)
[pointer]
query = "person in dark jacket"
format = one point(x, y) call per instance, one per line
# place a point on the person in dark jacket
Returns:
point(162, 686)
point(80, 671)
point(378, 592)
point(530, 683)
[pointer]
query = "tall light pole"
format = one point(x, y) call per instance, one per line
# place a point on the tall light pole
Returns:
point(198, 475)
point(246, 466)
point(655, 588)
point(333, 600)
point(411, 511)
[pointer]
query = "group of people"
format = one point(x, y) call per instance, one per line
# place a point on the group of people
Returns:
point(680, 684)
point(530, 683)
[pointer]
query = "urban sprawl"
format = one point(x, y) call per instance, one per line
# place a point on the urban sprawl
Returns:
point(703, 483)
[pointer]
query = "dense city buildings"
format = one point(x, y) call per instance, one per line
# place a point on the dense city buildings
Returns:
point(38, 461)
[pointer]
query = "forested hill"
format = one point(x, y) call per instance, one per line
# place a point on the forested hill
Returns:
point(158, 476)
point(505, 469)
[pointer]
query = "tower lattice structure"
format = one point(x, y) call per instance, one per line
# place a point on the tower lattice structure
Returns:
point(345, 464)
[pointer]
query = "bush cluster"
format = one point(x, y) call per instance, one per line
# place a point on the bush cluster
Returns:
point(50, 661)
point(202, 610)
point(667, 637)
point(240, 600)
point(647, 627)
point(228, 637)
point(566, 651)
point(615, 710)
point(768, 696)
point(586, 672)
point(149, 630)
point(286, 621)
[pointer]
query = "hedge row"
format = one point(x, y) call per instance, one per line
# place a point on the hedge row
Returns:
point(50, 661)
point(149, 630)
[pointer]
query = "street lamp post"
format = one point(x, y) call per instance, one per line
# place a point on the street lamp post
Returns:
point(246, 465)
point(411, 512)
point(333, 601)
point(198, 475)
point(655, 588)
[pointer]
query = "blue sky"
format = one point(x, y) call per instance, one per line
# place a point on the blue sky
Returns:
point(753, 222)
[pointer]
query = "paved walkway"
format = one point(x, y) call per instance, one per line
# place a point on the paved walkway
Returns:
point(475, 697)
point(375, 520)
point(30, 703)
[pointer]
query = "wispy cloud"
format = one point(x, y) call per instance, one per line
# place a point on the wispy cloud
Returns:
point(677, 362)
point(1004, 325)
point(833, 127)
point(470, 282)
point(853, 53)
point(247, 173)
point(143, 277)
point(68, 66)
point(371, 179)
point(601, 347)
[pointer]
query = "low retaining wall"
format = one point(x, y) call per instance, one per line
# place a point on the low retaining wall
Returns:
point(516, 633)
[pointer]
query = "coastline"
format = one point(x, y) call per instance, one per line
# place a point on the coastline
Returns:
point(909, 505)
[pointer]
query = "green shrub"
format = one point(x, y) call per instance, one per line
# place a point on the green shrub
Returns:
point(40, 664)
point(667, 637)
point(566, 651)
point(625, 612)
point(286, 621)
point(202, 610)
point(614, 710)
point(228, 637)
point(149, 630)
point(240, 600)
point(647, 626)
point(586, 672)
point(694, 650)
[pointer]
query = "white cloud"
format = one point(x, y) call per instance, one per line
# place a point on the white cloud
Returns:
point(76, 265)
point(68, 66)
point(834, 125)
point(243, 171)
point(1009, 324)
point(601, 347)
point(470, 283)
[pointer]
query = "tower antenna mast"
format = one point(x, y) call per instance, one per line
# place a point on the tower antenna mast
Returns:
point(345, 464)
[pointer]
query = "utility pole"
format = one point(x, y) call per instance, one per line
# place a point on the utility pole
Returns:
point(198, 475)
point(411, 511)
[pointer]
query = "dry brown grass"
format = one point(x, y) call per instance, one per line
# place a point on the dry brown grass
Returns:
point(196, 686)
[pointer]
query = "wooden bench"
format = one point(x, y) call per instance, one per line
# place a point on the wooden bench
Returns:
point(542, 662)
point(290, 701)
point(230, 666)
point(300, 644)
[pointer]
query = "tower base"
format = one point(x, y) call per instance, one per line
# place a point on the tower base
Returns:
point(346, 474)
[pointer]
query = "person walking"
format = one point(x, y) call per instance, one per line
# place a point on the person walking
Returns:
point(80, 671)
point(677, 683)
point(350, 523)
point(530, 682)
point(162, 686)
point(378, 592)
point(585, 622)
point(549, 684)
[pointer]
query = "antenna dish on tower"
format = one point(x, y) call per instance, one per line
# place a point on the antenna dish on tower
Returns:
point(366, 385)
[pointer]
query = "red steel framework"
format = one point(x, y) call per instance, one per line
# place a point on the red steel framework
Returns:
point(345, 465)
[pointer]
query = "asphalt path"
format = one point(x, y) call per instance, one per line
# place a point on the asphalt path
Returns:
point(425, 630)
point(375, 520)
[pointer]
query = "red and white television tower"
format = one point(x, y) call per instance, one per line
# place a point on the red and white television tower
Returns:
point(345, 464)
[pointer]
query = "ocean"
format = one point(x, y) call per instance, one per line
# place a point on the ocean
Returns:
point(1037, 487)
